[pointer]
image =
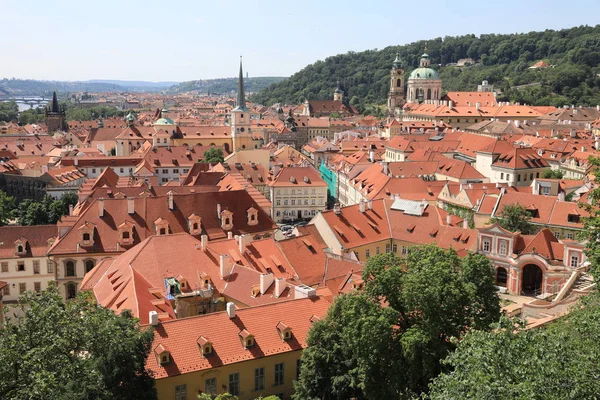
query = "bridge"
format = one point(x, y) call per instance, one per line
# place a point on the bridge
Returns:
point(30, 101)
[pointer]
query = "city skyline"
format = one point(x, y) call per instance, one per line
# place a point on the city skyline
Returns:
point(152, 42)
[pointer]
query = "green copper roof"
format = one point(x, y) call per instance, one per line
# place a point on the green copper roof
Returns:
point(424, 73)
point(240, 103)
point(397, 61)
point(164, 121)
point(130, 117)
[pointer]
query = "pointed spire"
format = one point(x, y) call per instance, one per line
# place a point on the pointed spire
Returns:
point(241, 95)
point(55, 108)
point(397, 61)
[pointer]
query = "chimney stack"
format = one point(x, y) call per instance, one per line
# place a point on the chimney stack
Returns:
point(101, 207)
point(337, 209)
point(266, 280)
point(204, 241)
point(370, 204)
point(229, 235)
point(153, 318)
point(280, 286)
point(219, 210)
point(170, 201)
point(70, 209)
point(130, 206)
point(361, 206)
point(230, 310)
point(561, 196)
point(448, 219)
point(224, 266)
point(243, 242)
point(465, 224)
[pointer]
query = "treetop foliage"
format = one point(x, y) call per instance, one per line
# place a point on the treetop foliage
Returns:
point(515, 218)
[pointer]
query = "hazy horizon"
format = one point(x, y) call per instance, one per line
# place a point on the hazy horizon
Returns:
point(152, 42)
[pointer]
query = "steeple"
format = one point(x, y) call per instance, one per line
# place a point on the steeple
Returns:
point(397, 62)
point(241, 96)
point(55, 108)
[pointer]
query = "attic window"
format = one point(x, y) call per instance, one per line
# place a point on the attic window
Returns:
point(162, 355)
point(87, 234)
point(285, 332)
point(195, 224)
point(573, 218)
point(247, 338)
point(205, 346)
point(161, 226)
point(252, 216)
point(226, 220)
point(411, 228)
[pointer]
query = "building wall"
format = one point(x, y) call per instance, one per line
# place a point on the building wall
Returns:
point(60, 270)
point(330, 178)
point(366, 251)
point(27, 277)
point(286, 202)
point(195, 382)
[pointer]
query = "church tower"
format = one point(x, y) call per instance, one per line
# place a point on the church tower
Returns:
point(55, 116)
point(338, 94)
point(396, 94)
point(241, 131)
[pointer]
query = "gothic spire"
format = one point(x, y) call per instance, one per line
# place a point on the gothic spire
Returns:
point(241, 95)
point(55, 108)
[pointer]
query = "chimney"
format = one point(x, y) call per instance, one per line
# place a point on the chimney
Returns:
point(553, 133)
point(337, 209)
point(451, 104)
point(130, 206)
point(370, 204)
point(573, 132)
point(204, 241)
point(280, 286)
point(70, 209)
point(477, 106)
point(372, 155)
point(597, 144)
point(266, 280)
point(582, 148)
point(229, 235)
point(517, 123)
point(224, 266)
point(243, 242)
point(230, 310)
point(385, 168)
point(561, 196)
point(498, 185)
point(219, 211)
point(448, 219)
point(465, 223)
point(101, 207)
point(361, 206)
point(153, 318)
point(170, 201)
point(421, 209)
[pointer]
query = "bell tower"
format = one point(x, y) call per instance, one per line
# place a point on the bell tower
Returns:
point(241, 130)
point(55, 116)
point(396, 94)
point(338, 94)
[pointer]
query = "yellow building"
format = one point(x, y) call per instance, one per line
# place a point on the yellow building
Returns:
point(249, 352)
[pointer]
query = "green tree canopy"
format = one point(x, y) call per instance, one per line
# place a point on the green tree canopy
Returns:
point(388, 340)
point(553, 174)
point(48, 211)
point(514, 218)
point(73, 350)
point(7, 207)
point(214, 155)
point(559, 362)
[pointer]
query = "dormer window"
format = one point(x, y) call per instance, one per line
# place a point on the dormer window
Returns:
point(252, 216)
point(226, 220)
point(21, 247)
point(163, 356)
point(195, 224)
point(285, 332)
point(573, 218)
point(87, 234)
point(161, 226)
point(247, 338)
point(205, 345)
point(125, 233)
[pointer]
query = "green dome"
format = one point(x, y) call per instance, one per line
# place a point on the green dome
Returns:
point(164, 121)
point(424, 73)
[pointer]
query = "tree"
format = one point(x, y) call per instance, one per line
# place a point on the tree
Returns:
point(48, 211)
point(7, 207)
point(388, 340)
point(591, 224)
point(73, 350)
point(515, 218)
point(553, 174)
point(559, 362)
point(214, 155)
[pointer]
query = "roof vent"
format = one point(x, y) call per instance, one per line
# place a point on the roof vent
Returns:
point(231, 310)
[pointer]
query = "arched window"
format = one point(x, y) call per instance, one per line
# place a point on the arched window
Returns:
point(89, 264)
point(398, 82)
point(70, 268)
point(71, 290)
point(428, 94)
point(20, 249)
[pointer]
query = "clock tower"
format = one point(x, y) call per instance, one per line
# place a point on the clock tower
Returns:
point(241, 130)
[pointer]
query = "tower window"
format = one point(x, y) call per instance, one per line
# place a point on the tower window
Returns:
point(398, 83)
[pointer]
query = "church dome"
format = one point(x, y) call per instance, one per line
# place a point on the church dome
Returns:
point(164, 121)
point(424, 73)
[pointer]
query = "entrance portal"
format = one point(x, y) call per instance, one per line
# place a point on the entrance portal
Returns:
point(531, 281)
point(501, 276)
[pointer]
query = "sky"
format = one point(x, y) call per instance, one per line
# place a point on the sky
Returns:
point(198, 39)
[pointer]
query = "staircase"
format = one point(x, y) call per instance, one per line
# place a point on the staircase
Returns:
point(584, 283)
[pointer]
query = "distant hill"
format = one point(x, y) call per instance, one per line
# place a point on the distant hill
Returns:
point(135, 84)
point(503, 60)
point(31, 87)
point(225, 85)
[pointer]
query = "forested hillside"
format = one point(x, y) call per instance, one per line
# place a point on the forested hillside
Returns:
point(503, 60)
point(225, 85)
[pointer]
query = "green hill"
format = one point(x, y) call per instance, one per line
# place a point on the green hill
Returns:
point(224, 85)
point(503, 60)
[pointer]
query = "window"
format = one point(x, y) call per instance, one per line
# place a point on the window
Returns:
point(71, 290)
point(121, 170)
point(278, 374)
point(234, 384)
point(537, 174)
point(21, 266)
point(574, 261)
point(278, 202)
point(165, 180)
point(573, 218)
point(486, 245)
point(278, 214)
point(293, 202)
point(501, 175)
point(259, 379)
point(86, 237)
point(6, 290)
point(93, 170)
point(285, 202)
point(89, 265)
point(367, 253)
point(181, 392)
point(531, 176)
point(298, 368)
point(394, 248)
point(50, 266)
point(570, 236)
point(125, 234)
point(403, 250)
point(175, 170)
point(23, 287)
point(503, 247)
point(37, 286)
point(165, 171)
point(70, 268)
point(313, 202)
point(508, 177)
point(557, 235)
point(210, 386)
point(377, 250)
point(4, 266)
point(305, 202)
point(387, 248)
